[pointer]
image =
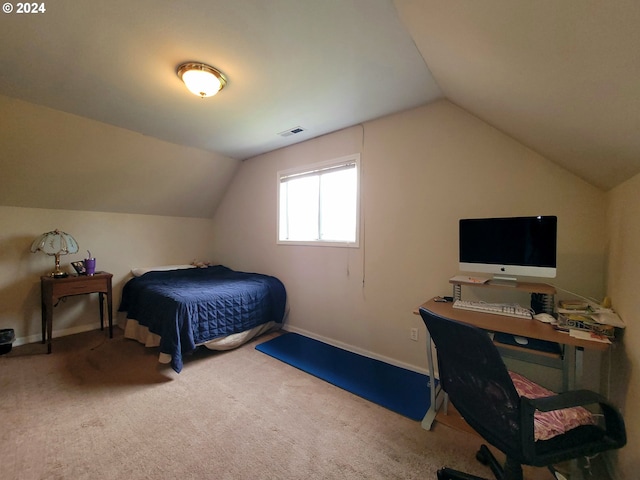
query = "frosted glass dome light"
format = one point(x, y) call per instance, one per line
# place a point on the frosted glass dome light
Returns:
point(201, 80)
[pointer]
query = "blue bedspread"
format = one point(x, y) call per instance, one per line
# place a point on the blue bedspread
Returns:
point(192, 306)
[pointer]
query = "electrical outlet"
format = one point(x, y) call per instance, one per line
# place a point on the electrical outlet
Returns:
point(414, 334)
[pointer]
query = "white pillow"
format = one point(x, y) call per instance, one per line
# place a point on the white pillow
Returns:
point(142, 270)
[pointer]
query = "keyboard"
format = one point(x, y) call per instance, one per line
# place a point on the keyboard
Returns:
point(508, 310)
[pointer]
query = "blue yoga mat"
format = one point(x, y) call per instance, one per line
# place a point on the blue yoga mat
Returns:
point(398, 389)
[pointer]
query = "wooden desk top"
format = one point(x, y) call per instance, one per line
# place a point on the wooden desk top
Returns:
point(514, 326)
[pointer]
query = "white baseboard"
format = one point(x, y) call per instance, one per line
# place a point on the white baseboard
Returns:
point(58, 333)
point(359, 351)
point(350, 348)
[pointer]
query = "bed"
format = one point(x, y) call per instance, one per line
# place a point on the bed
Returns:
point(180, 309)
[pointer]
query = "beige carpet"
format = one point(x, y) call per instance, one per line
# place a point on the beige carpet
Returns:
point(104, 409)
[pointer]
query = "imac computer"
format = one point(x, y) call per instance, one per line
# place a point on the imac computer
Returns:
point(508, 247)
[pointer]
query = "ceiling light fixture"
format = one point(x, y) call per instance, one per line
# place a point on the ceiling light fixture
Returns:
point(202, 80)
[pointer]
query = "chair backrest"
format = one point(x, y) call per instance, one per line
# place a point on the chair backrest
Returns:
point(472, 372)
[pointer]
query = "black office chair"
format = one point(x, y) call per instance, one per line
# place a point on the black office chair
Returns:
point(478, 383)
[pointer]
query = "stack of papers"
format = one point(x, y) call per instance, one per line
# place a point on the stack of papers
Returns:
point(588, 321)
point(585, 335)
point(608, 318)
point(469, 279)
point(603, 316)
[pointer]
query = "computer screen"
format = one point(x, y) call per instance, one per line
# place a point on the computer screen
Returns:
point(509, 246)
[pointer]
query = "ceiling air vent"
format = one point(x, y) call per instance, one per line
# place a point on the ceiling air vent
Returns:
point(292, 131)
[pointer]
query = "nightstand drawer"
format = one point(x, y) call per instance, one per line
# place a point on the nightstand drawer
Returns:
point(80, 286)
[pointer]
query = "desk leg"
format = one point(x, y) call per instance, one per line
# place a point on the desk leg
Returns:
point(101, 296)
point(579, 368)
point(109, 312)
point(571, 367)
point(435, 391)
point(43, 314)
point(47, 311)
point(110, 309)
point(110, 320)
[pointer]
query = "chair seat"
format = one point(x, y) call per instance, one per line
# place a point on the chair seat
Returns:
point(556, 422)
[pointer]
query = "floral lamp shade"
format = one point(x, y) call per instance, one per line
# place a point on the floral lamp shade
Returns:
point(55, 243)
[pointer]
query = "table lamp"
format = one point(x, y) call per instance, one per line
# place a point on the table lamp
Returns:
point(55, 243)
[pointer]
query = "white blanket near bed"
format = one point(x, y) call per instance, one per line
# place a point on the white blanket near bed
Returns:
point(142, 334)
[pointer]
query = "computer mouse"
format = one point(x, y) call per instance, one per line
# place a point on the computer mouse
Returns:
point(521, 340)
point(545, 318)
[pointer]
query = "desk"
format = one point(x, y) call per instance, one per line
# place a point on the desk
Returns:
point(571, 361)
point(54, 289)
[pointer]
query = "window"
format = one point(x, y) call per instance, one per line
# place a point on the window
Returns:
point(318, 204)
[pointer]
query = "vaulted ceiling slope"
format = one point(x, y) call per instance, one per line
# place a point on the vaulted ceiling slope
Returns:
point(560, 77)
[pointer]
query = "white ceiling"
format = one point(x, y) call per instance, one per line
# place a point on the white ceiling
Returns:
point(321, 65)
point(561, 77)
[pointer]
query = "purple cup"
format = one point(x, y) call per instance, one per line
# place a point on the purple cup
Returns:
point(90, 266)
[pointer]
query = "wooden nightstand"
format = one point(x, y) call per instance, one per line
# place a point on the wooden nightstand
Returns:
point(54, 289)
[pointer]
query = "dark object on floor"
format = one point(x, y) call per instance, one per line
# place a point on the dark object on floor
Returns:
point(7, 336)
point(480, 387)
point(400, 390)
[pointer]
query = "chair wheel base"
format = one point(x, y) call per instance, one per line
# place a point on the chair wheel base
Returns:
point(450, 474)
point(481, 457)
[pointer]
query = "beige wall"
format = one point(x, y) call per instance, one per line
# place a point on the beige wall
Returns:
point(422, 171)
point(623, 284)
point(52, 159)
point(118, 241)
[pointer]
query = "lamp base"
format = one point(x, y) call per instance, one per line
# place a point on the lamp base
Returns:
point(57, 273)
